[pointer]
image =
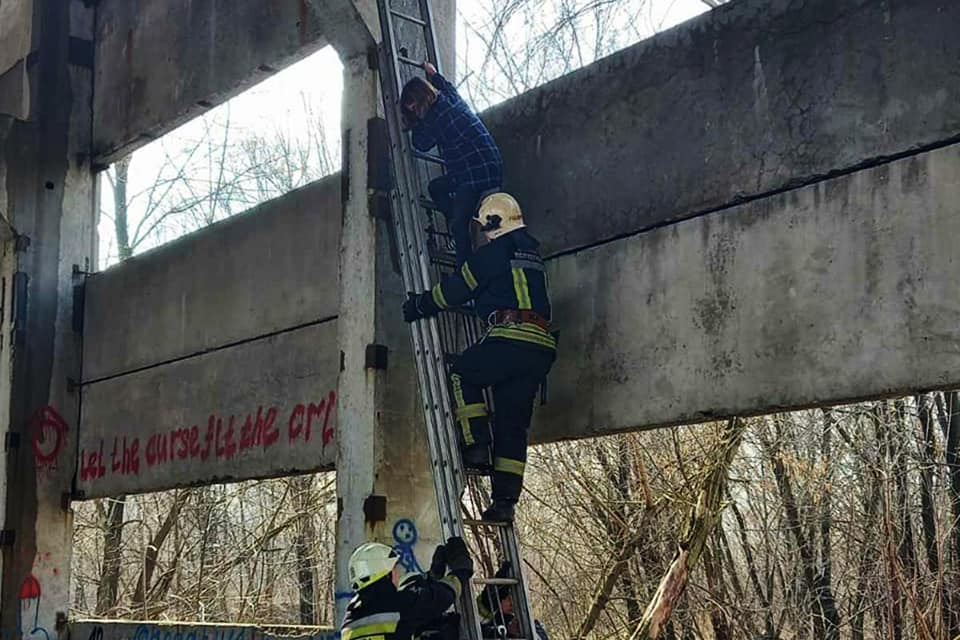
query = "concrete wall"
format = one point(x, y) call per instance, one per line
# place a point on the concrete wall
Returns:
point(182, 342)
point(752, 97)
point(837, 291)
point(46, 193)
point(262, 408)
point(16, 28)
point(127, 630)
point(161, 63)
point(267, 270)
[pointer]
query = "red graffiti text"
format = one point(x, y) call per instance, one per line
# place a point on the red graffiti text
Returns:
point(222, 438)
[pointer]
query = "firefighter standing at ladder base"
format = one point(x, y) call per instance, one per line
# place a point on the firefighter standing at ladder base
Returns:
point(386, 608)
point(438, 116)
point(506, 278)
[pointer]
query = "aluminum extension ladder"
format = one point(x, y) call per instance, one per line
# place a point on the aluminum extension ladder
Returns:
point(426, 254)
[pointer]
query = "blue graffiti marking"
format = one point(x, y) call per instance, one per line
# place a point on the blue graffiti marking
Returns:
point(405, 537)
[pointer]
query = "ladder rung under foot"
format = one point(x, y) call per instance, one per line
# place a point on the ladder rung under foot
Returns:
point(443, 259)
point(434, 233)
point(505, 582)
point(408, 18)
point(479, 473)
point(427, 157)
point(469, 522)
point(427, 203)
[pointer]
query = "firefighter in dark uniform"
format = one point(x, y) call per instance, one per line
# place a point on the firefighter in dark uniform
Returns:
point(386, 608)
point(507, 280)
point(497, 617)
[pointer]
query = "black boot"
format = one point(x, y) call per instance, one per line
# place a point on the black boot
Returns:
point(500, 511)
point(477, 457)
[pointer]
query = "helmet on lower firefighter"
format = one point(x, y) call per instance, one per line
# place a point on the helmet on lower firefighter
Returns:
point(370, 562)
point(499, 214)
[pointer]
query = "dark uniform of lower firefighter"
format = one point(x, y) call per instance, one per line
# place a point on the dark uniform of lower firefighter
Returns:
point(506, 278)
point(386, 608)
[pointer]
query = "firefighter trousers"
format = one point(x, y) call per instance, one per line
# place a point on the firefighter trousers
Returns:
point(514, 372)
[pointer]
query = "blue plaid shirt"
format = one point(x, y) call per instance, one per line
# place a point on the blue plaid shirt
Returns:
point(471, 155)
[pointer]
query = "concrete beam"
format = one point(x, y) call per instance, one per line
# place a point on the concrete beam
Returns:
point(834, 292)
point(161, 63)
point(264, 408)
point(131, 630)
point(237, 317)
point(267, 270)
point(750, 98)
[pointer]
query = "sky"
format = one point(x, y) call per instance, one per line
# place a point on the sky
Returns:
point(292, 102)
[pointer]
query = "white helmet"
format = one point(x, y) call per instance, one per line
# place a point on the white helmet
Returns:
point(370, 562)
point(499, 214)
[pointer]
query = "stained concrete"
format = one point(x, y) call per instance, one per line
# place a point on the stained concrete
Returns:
point(743, 100)
point(267, 270)
point(151, 414)
point(47, 193)
point(130, 630)
point(838, 291)
point(161, 63)
point(16, 34)
point(16, 28)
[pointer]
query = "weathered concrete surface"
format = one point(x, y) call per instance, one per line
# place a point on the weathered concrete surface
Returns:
point(131, 630)
point(384, 485)
point(16, 37)
point(46, 187)
point(160, 63)
point(743, 100)
point(838, 291)
point(16, 28)
point(266, 270)
point(261, 409)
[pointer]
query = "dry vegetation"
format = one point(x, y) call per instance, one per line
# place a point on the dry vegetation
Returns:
point(840, 523)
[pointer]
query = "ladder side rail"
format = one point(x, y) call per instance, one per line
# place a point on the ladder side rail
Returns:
point(509, 543)
point(426, 14)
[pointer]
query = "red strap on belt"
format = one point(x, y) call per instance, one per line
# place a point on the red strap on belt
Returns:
point(512, 316)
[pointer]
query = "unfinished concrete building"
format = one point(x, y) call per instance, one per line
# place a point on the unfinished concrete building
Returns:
point(777, 231)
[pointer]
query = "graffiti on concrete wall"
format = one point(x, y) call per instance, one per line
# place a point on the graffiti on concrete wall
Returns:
point(222, 437)
point(30, 597)
point(48, 435)
point(187, 631)
point(405, 538)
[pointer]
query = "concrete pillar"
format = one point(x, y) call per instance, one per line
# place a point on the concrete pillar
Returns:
point(48, 193)
point(385, 491)
point(384, 486)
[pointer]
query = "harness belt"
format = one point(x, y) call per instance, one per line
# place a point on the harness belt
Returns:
point(519, 316)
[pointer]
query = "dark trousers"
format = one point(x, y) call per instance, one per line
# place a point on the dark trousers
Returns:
point(514, 372)
point(458, 203)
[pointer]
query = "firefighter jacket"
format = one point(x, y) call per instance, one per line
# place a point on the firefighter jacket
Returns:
point(382, 611)
point(505, 274)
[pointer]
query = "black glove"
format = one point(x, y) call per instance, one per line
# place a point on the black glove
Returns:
point(411, 308)
point(438, 566)
point(458, 558)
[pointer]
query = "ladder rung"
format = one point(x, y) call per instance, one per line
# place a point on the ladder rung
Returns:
point(506, 582)
point(409, 61)
point(427, 203)
point(428, 157)
point(408, 18)
point(484, 523)
point(443, 259)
